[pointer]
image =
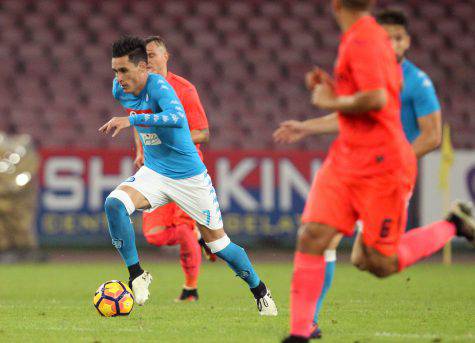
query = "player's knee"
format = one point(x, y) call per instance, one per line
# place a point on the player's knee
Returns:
point(379, 271)
point(381, 268)
point(155, 235)
point(358, 261)
point(118, 202)
point(314, 238)
point(113, 206)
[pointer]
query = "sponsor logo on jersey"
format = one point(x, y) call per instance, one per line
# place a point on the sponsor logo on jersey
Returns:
point(150, 139)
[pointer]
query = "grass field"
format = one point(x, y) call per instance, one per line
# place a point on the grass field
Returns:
point(53, 303)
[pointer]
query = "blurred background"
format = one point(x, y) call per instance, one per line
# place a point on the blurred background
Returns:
point(247, 60)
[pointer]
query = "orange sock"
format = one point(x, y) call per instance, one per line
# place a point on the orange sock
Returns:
point(307, 284)
point(190, 255)
point(191, 281)
point(422, 242)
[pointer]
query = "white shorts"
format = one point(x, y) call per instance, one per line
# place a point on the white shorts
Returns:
point(195, 195)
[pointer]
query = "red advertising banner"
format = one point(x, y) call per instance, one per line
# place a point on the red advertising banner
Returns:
point(261, 193)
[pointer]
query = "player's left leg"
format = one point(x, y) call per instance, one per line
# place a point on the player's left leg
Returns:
point(385, 248)
point(238, 260)
point(330, 264)
point(421, 243)
point(197, 197)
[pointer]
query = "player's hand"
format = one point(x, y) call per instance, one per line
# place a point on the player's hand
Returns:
point(139, 160)
point(315, 77)
point(324, 95)
point(290, 131)
point(116, 124)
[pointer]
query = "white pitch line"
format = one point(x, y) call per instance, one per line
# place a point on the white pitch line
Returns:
point(423, 336)
point(87, 329)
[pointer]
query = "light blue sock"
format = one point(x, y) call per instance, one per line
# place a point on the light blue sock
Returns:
point(121, 230)
point(329, 273)
point(237, 259)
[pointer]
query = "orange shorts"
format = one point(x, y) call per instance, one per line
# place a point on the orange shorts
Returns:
point(169, 215)
point(379, 201)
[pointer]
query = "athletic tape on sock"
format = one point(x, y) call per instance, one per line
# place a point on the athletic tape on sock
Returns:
point(329, 255)
point(124, 198)
point(219, 244)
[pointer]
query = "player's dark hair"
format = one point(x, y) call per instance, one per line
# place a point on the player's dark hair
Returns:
point(393, 17)
point(157, 40)
point(358, 5)
point(131, 46)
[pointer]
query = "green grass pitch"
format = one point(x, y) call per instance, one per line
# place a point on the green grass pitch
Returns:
point(53, 303)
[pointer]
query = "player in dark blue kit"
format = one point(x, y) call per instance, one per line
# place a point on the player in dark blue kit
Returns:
point(173, 171)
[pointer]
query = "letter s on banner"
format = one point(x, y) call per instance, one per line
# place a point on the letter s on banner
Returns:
point(63, 192)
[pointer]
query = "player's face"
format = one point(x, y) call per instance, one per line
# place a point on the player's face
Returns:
point(157, 59)
point(399, 38)
point(128, 74)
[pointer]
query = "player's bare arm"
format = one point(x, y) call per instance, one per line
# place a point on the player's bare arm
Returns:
point(115, 125)
point(292, 131)
point(429, 139)
point(324, 96)
point(200, 136)
point(139, 157)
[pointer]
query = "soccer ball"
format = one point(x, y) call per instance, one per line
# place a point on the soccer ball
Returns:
point(113, 298)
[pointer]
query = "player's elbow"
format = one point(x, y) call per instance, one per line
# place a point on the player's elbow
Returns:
point(378, 100)
point(435, 140)
point(432, 139)
point(205, 136)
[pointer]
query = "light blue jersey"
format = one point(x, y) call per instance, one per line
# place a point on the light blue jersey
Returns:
point(418, 99)
point(160, 120)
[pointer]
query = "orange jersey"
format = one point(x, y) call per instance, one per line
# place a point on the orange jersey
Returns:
point(190, 100)
point(373, 142)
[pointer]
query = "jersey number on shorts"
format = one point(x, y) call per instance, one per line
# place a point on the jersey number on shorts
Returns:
point(385, 227)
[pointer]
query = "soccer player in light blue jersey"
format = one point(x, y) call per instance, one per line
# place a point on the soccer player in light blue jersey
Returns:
point(173, 171)
point(420, 108)
point(420, 117)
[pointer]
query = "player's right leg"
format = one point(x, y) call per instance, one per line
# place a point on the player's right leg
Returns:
point(168, 226)
point(140, 192)
point(119, 205)
point(330, 264)
point(327, 213)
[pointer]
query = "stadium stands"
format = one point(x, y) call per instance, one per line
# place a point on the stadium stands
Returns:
point(246, 58)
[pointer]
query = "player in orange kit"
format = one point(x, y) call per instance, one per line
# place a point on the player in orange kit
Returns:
point(169, 224)
point(370, 170)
